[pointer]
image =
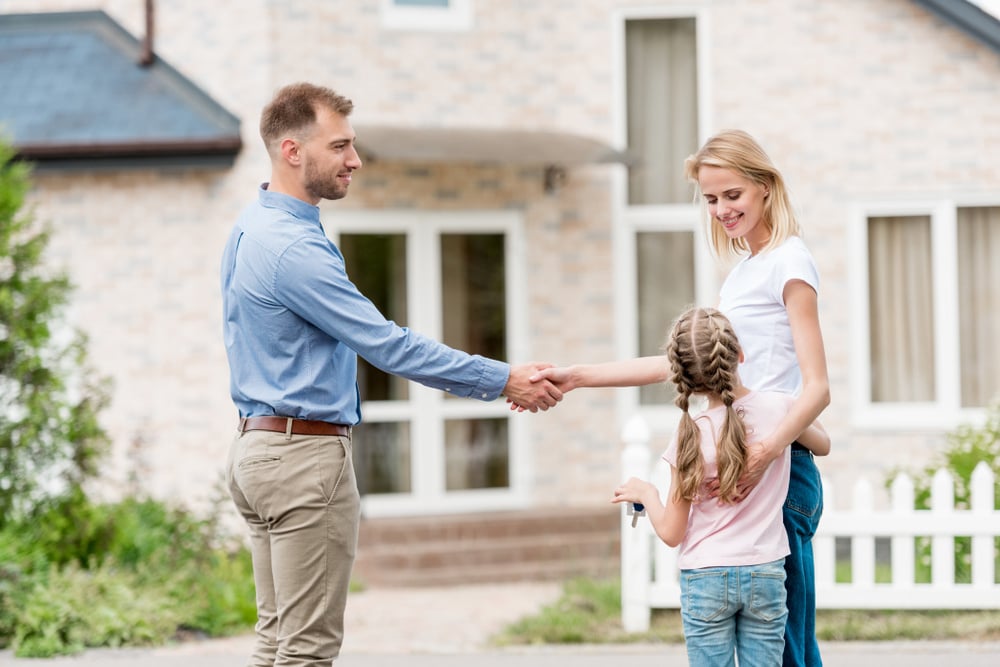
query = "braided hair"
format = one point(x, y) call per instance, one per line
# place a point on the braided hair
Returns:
point(704, 354)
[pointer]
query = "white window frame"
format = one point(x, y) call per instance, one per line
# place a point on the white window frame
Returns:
point(946, 411)
point(457, 16)
point(426, 409)
point(632, 220)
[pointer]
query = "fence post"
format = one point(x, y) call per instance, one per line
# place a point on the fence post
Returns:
point(942, 546)
point(863, 546)
point(903, 546)
point(636, 542)
point(983, 504)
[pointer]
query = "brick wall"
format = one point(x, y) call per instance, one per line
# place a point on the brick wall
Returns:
point(854, 99)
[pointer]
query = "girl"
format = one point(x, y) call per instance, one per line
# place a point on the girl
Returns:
point(770, 296)
point(733, 600)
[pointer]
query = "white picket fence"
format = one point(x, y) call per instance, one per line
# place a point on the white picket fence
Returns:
point(649, 567)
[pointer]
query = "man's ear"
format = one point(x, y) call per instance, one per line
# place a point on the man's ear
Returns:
point(742, 357)
point(290, 151)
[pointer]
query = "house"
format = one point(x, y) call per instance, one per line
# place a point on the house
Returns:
point(522, 197)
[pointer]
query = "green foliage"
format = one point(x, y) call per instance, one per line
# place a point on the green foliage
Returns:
point(966, 447)
point(590, 611)
point(77, 574)
point(587, 612)
point(50, 437)
point(73, 608)
point(74, 573)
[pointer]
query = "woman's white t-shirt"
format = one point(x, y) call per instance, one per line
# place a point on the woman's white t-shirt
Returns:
point(752, 298)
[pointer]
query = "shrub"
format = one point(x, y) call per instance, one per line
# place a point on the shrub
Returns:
point(74, 608)
point(77, 574)
point(966, 447)
point(50, 438)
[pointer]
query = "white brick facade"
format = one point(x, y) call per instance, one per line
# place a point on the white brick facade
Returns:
point(855, 100)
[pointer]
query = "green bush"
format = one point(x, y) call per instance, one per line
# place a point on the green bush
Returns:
point(77, 574)
point(74, 573)
point(50, 437)
point(73, 608)
point(966, 447)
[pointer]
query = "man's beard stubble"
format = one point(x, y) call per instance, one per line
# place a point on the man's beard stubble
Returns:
point(318, 185)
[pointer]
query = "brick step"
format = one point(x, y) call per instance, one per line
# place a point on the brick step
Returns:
point(600, 568)
point(532, 548)
point(492, 547)
point(493, 525)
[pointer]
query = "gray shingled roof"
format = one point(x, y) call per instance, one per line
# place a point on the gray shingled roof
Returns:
point(971, 18)
point(74, 92)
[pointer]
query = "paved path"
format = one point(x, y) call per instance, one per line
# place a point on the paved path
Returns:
point(232, 654)
point(450, 627)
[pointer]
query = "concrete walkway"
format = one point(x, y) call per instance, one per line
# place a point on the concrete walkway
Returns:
point(451, 627)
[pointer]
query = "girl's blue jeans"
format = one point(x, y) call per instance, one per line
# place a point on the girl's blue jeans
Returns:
point(734, 611)
point(802, 511)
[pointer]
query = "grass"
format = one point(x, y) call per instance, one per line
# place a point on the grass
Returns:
point(590, 612)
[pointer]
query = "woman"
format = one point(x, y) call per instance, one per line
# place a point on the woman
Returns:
point(771, 297)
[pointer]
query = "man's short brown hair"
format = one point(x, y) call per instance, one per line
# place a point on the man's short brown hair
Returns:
point(293, 110)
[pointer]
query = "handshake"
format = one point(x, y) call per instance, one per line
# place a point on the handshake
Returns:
point(536, 386)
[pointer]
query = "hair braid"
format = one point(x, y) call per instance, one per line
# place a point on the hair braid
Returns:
point(704, 354)
point(690, 462)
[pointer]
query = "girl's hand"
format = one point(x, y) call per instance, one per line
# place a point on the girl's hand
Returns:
point(635, 490)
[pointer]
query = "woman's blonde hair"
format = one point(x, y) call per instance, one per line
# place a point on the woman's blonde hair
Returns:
point(704, 354)
point(737, 151)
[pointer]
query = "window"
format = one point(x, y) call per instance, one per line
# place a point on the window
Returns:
point(448, 276)
point(426, 14)
point(663, 259)
point(661, 77)
point(931, 312)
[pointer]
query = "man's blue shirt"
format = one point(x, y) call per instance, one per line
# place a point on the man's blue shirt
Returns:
point(294, 324)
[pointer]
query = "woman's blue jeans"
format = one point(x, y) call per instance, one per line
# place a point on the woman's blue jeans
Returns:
point(734, 611)
point(801, 513)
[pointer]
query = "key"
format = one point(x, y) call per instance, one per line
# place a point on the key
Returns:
point(637, 510)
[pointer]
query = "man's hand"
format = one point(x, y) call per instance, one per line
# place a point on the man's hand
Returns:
point(524, 394)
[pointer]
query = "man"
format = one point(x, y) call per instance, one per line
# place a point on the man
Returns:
point(294, 324)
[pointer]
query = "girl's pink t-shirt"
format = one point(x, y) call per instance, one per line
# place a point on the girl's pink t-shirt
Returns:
point(750, 532)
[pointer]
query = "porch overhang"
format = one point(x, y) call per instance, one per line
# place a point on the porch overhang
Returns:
point(553, 150)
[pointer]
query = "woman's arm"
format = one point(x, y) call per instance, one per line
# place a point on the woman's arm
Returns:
point(627, 373)
point(670, 520)
point(815, 439)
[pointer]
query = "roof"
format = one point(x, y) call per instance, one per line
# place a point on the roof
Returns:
point(969, 16)
point(76, 95)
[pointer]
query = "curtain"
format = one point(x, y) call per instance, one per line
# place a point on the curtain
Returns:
point(979, 304)
point(662, 99)
point(901, 309)
point(665, 279)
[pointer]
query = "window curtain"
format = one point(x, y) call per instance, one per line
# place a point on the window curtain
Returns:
point(979, 304)
point(662, 98)
point(665, 279)
point(901, 309)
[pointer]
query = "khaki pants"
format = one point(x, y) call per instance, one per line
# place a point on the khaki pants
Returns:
point(299, 497)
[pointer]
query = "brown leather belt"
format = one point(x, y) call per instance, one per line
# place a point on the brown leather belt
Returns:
point(292, 426)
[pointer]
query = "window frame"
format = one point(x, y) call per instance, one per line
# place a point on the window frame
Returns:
point(945, 412)
point(426, 409)
point(630, 220)
point(457, 17)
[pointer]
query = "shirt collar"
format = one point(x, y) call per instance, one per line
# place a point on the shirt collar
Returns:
point(297, 207)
